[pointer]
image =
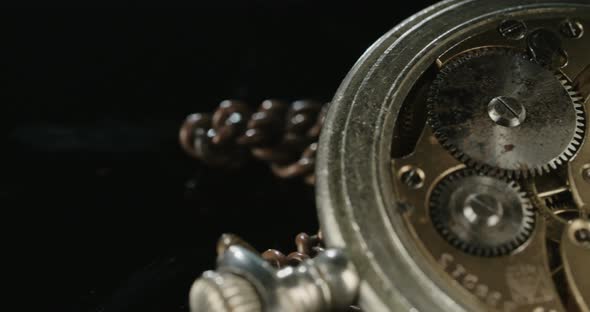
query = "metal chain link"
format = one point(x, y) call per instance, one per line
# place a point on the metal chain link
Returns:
point(283, 135)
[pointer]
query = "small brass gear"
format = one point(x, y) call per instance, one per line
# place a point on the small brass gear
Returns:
point(558, 210)
point(481, 215)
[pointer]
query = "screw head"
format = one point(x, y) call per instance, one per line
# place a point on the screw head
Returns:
point(572, 29)
point(482, 210)
point(412, 176)
point(513, 29)
point(506, 111)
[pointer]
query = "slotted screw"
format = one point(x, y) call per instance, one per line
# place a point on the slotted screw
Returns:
point(512, 29)
point(572, 29)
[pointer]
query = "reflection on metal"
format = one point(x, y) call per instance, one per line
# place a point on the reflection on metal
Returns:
point(283, 135)
point(452, 171)
point(506, 88)
point(245, 282)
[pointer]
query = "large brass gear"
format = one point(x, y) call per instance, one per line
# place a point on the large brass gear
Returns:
point(498, 111)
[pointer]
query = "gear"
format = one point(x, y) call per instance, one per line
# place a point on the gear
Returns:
point(561, 201)
point(481, 215)
point(499, 112)
point(558, 211)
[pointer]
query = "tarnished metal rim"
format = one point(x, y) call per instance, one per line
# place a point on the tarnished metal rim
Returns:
point(354, 182)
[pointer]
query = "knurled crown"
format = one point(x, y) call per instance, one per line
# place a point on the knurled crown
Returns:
point(223, 292)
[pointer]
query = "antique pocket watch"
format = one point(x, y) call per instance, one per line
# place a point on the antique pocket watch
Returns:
point(452, 171)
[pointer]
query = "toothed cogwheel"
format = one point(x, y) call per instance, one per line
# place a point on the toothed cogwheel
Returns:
point(497, 111)
point(481, 215)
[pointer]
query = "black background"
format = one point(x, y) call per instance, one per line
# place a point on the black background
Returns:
point(104, 210)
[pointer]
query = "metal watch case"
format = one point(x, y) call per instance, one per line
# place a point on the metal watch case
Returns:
point(358, 186)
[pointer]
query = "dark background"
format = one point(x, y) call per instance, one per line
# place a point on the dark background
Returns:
point(104, 210)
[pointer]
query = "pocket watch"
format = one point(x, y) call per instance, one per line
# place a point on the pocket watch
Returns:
point(452, 171)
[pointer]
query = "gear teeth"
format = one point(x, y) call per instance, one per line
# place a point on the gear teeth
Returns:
point(527, 222)
point(577, 100)
point(526, 172)
point(559, 201)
